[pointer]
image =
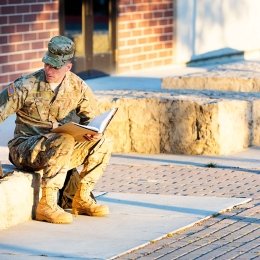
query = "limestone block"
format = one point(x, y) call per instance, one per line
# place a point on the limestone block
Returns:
point(144, 125)
point(19, 194)
point(118, 129)
point(135, 127)
point(233, 123)
point(188, 127)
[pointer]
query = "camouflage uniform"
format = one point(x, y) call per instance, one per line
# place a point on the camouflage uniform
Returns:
point(38, 111)
point(41, 106)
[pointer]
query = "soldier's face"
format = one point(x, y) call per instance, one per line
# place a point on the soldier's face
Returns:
point(55, 75)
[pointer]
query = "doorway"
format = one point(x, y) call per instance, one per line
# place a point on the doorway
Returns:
point(91, 25)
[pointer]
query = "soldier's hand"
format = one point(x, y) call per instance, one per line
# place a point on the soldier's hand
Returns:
point(93, 138)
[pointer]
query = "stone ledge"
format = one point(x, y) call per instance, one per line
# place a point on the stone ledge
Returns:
point(149, 122)
point(19, 195)
point(178, 122)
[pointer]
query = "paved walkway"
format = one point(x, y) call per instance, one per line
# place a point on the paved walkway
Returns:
point(231, 235)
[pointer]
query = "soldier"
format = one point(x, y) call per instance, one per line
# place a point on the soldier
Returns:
point(41, 101)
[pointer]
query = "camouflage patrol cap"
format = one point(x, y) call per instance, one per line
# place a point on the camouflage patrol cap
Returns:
point(60, 50)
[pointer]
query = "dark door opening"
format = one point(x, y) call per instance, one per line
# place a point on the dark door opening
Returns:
point(91, 25)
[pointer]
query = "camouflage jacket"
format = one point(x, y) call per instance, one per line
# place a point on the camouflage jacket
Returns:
point(38, 109)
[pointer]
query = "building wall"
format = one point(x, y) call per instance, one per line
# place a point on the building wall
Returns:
point(145, 34)
point(209, 28)
point(25, 29)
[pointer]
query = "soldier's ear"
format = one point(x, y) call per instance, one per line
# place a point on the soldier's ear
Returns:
point(69, 66)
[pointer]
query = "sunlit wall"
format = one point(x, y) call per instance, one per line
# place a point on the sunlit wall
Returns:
point(208, 28)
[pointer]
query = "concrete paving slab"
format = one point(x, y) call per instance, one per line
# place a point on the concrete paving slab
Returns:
point(135, 220)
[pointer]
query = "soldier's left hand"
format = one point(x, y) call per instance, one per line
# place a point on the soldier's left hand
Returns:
point(93, 138)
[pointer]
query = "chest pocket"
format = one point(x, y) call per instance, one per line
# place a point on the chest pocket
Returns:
point(37, 106)
point(62, 107)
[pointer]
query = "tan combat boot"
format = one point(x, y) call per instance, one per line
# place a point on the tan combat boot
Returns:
point(84, 204)
point(48, 210)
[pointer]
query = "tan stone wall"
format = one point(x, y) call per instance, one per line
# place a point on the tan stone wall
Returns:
point(179, 125)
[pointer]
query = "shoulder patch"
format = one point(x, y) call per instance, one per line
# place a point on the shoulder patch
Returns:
point(11, 90)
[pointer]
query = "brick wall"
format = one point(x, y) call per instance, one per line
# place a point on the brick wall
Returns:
point(25, 29)
point(145, 34)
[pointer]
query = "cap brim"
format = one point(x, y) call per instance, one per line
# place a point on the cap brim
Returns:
point(52, 61)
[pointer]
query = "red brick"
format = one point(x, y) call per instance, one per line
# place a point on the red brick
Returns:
point(50, 7)
point(7, 29)
point(22, 8)
point(165, 37)
point(8, 68)
point(22, 27)
point(131, 42)
point(43, 17)
point(3, 20)
point(14, 2)
point(30, 55)
point(15, 57)
point(7, 48)
point(168, 29)
point(144, 23)
point(43, 35)
point(4, 2)
point(30, 36)
point(36, 26)
point(3, 39)
point(15, 38)
point(3, 59)
point(168, 13)
point(137, 33)
point(23, 66)
point(7, 9)
point(148, 15)
point(29, 17)
point(37, 45)
point(51, 25)
point(136, 50)
point(148, 31)
point(22, 47)
point(54, 16)
point(15, 19)
point(37, 8)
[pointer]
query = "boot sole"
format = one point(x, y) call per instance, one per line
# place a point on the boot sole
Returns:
point(40, 217)
point(94, 214)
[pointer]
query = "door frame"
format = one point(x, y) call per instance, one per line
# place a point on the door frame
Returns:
point(87, 19)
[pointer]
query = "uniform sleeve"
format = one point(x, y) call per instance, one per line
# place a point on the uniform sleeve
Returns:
point(87, 107)
point(11, 99)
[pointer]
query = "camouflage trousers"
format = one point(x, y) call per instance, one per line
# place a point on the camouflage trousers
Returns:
point(55, 154)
